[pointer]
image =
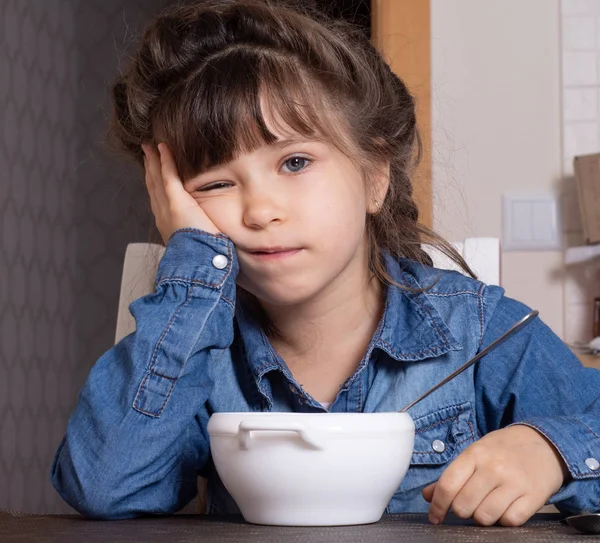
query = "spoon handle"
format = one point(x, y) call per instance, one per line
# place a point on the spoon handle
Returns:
point(512, 330)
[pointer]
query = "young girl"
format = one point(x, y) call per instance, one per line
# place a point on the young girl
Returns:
point(294, 280)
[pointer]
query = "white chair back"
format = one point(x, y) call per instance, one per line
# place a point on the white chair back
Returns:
point(139, 274)
point(481, 254)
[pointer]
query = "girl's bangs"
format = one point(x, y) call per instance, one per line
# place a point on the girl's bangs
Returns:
point(219, 111)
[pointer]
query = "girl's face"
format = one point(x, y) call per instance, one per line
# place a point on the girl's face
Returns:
point(301, 195)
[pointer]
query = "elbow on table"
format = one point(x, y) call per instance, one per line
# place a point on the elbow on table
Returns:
point(96, 494)
point(99, 510)
point(105, 500)
point(104, 504)
point(95, 503)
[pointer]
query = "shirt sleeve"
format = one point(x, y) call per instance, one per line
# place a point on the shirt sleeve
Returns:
point(533, 378)
point(137, 439)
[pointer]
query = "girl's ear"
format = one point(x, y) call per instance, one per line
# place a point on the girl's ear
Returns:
point(378, 185)
point(378, 178)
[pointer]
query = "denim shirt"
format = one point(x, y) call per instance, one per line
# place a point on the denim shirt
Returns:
point(137, 440)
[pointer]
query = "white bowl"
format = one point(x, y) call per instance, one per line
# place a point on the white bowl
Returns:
point(311, 469)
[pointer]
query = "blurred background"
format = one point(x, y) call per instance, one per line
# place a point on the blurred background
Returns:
point(508, 94)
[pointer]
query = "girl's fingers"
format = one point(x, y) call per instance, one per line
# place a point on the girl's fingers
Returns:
point(150, 166)
point(449, 485)
point(473, 494)
point(521, 510)
point(170, 176)
point(496, 504)
point(428, 492)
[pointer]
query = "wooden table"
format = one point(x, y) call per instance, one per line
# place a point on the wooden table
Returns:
point(590, 360)
point(209, 528)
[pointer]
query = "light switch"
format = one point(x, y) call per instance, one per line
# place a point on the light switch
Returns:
point(530, 222)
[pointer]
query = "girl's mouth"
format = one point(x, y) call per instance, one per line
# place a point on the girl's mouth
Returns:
point(274, 254)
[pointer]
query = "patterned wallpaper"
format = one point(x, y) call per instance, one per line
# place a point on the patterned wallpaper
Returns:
point(68, 207)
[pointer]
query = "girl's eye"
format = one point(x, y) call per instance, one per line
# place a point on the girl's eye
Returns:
point(297, 163)
point(214, 186)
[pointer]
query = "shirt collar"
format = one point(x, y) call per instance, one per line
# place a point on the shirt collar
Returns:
point(410, 329)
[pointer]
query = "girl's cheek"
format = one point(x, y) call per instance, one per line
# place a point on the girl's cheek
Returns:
point(216, 213)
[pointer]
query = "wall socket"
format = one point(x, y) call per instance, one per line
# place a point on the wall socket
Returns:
point(531, 221)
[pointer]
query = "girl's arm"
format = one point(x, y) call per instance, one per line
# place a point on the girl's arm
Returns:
point(535, 379)
point(137, 437)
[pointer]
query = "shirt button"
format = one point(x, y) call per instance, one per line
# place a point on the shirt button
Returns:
point(592, 463)
point(438, 446)
point(219, 262)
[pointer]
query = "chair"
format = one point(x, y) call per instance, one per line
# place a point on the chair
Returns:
point(139, 273)
point(141, 264)
point(481, 254)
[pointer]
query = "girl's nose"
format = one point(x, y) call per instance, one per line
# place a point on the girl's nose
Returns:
point(260, 210)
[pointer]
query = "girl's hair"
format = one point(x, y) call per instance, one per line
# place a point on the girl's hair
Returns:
point(205, 71)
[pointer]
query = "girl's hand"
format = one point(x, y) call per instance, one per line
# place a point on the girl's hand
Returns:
point(506, 476)
point(173, 207)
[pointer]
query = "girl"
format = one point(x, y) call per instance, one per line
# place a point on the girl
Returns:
point(294, 280)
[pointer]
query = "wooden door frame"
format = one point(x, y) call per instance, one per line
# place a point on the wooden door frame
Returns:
point(401, 31)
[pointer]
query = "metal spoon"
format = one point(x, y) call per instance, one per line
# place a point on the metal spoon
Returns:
point(588, 523)
point(514, 329)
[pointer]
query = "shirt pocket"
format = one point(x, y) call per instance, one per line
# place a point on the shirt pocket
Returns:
point(440, 436)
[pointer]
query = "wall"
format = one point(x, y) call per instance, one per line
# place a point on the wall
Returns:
point(497, 127)
point(581, 125)
point(67, 209)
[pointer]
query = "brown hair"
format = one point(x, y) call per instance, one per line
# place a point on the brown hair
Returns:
point(201, 69)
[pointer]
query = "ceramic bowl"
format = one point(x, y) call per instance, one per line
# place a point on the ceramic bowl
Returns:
point(305, 469)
